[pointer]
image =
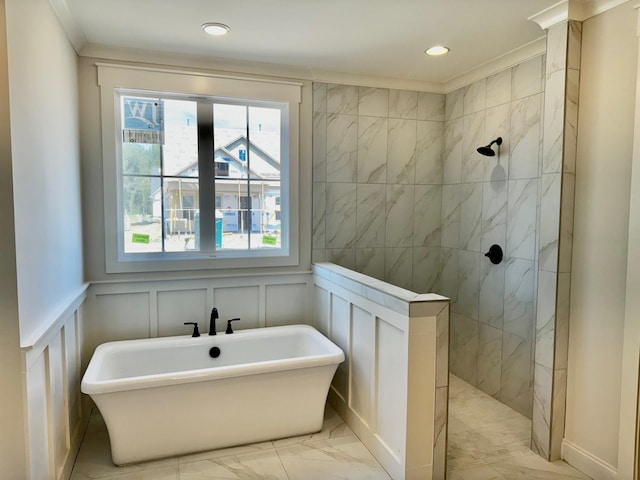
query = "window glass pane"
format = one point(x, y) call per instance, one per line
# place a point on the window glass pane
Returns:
point(264, 135)
point(180, 150)
point(181, 215)
point(142, 215)
point(266, 213)
point(232, 219)
point(230, 140)
point(140, 159)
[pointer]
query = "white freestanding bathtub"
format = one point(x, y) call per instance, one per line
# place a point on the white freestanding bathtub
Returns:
point(167, 396)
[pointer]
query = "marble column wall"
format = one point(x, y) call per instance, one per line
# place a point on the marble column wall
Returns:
point(487, 200)
point(556, 236)
point(377, 182)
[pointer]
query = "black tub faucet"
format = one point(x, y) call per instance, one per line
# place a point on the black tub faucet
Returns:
point(212, 322)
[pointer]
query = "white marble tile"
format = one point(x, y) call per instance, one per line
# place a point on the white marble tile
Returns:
point(451, 215)
point(556, 59)
point(464, 348)
point(574, 45)
point(571, 121)
point(491, 297)
point(497, 124)
point(372, 149)
point(449, 276)
point(468, 283)
point(562, 321)
point(319, 97)
point(261, 465)
point(442, 348)
point(399, 223)
point(345, 257)
point(554, 102)
point(489, 359)
point(521, 218)
point(470, 216)
point(474, 97)
point(519, 297)
point(342, 99)
point(370, 261)
point(340, 458)
point(427, 228)
point(525, 138)
point(526, 78)
point(319, 147)
point(94, 461)
point(452, 154)
point(318, 255)
point(429, 148)
point(332, 427)
point(494, 215)
point(440, 433)
point(370, 225)
point(532, 467)
point(398, 267)
point(498, 89)
point(453, 104)
point(340, 216)
point(558, 411)
point(541, 421)
point(373, 102)
point(401, 152)
point(431, 106)
point(545, 319)
point(403, 104)
point(426, 269)
point(516, 383)
point(549, 221)
point(318, 218)
point(473, 136)
point(342, 148)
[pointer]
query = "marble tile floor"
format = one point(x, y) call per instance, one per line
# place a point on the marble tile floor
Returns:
point(487, 441)
point(334, 453)
point(490, 441)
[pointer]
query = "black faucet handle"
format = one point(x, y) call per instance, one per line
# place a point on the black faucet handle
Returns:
point(196, 332)
point(229, 329)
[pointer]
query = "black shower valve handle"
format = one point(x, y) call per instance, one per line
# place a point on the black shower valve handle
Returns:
point(495, 254)
point(229, 329)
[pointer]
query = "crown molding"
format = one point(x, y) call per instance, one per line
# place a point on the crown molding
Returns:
point(579, 10)
point(498, 64)
point(69, 25)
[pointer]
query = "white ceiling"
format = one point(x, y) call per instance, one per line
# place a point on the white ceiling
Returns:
point(376, 38)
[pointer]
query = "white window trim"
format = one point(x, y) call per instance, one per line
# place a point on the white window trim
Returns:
point(112, 77)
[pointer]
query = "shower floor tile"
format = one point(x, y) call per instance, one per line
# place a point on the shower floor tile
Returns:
point(490, 441)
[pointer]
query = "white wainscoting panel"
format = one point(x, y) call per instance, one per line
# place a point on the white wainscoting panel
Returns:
point(55, 420)
point(392, 389)
point(144, 309)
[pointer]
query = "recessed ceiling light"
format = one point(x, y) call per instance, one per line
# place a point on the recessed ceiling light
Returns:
point(437, 50)
point(217, 29)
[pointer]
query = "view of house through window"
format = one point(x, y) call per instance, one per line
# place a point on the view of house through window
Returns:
point(187, 162)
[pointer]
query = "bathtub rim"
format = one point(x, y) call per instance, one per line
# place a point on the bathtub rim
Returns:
point(90, 385)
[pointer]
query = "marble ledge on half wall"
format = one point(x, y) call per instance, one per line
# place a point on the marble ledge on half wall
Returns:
point(395, 298)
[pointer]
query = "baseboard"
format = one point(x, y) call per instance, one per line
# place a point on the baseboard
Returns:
point(587, 463)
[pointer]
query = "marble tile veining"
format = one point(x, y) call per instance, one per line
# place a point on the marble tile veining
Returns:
point(490, 441)
point(403, 104)
point(372, 149)
point(334, 452)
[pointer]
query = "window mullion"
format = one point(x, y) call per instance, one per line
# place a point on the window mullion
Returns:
point(206, 177)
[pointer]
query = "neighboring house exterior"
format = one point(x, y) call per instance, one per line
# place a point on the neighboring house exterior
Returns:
point(247, 192)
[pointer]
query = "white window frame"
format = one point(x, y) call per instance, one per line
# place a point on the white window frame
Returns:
point(112, 78)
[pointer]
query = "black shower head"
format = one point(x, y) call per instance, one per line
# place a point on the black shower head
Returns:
point(487, 150)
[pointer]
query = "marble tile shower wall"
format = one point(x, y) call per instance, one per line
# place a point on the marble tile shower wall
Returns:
point(487, 200)
point(400, 194)
point(377, 182)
